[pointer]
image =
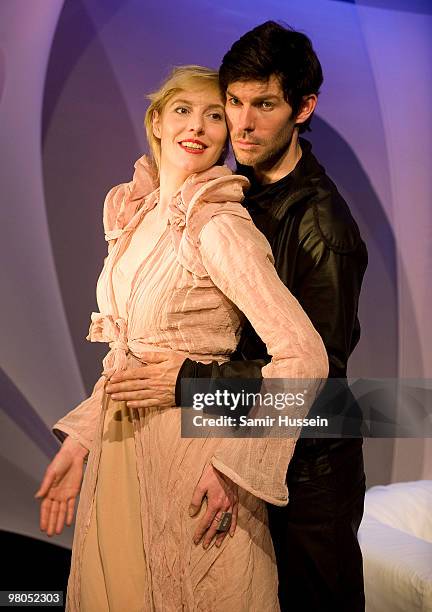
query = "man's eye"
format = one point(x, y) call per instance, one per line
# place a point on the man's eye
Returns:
point(181, 110)
point(234, 101)
point(266, 105)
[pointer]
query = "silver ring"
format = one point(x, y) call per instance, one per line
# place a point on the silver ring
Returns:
point(224, 522)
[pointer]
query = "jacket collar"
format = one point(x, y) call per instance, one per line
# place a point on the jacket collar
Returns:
point(271, 202)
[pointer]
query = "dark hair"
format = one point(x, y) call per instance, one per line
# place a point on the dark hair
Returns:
point(271, 49)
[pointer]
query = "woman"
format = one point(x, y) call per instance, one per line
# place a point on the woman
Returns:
point(184, 261)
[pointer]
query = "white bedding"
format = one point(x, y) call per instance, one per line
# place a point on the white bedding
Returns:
point(396, 540)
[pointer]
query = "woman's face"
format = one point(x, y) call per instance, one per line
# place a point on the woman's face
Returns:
point(192, 131)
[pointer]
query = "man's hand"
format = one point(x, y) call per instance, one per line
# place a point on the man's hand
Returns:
point(152, 385)
point(222, 496)
point(60, 487)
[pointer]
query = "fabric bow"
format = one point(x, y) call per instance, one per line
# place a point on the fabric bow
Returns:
point(104, 328)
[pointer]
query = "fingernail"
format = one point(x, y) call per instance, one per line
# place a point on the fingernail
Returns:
point(191, 511)
point(205, 546)
point(196, 541)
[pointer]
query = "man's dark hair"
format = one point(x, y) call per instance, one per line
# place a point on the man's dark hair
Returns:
point(273, 49)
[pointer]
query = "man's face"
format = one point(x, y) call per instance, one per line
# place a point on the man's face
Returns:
point(259, 120)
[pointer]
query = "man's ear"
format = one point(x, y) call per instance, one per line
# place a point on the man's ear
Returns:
point(156, 124)
point(307, 107)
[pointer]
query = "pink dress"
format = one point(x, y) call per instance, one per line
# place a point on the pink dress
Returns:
point(133, 547)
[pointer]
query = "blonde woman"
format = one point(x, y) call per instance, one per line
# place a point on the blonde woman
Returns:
point(184, 262)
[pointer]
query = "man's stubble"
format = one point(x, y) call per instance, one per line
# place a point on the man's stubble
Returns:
point(270, 154)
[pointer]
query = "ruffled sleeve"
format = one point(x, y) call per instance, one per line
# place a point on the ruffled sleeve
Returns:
point(124, 200)
point(120, 206)
point(203, 196)
point(238, 259)
point(81, 422)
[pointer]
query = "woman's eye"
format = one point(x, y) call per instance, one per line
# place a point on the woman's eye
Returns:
point(217, 116)
point(181, 110)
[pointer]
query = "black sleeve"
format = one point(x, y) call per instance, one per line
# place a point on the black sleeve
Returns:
point(328, 286)
point(230, 369)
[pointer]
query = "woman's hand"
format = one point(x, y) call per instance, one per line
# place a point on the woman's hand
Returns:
point(60, 487)
point(222, 496)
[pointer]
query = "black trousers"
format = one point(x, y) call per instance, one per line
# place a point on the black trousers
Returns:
point(315, 537)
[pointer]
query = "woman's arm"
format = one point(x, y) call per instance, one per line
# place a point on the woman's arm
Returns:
point(120, 205)
point(238, 259)
point(81, 422)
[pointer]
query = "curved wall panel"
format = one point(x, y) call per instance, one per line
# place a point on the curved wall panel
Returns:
point(73, 79)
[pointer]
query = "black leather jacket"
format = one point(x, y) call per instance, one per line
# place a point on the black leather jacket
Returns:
point(320, 257)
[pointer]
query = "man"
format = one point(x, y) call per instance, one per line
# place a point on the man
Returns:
point(272, 77)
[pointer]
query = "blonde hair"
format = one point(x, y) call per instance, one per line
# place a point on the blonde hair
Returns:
point(181, 78)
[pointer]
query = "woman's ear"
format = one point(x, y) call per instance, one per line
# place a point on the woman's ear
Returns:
point(156, 124)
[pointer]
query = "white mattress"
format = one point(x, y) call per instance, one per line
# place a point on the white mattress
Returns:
point(396, 540)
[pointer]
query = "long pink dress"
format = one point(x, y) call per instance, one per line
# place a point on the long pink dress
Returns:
point(133, 547)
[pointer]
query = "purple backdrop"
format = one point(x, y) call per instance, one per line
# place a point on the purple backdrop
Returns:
point(73, 79)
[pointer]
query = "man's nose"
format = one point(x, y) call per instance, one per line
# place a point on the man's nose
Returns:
point(246, 119)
